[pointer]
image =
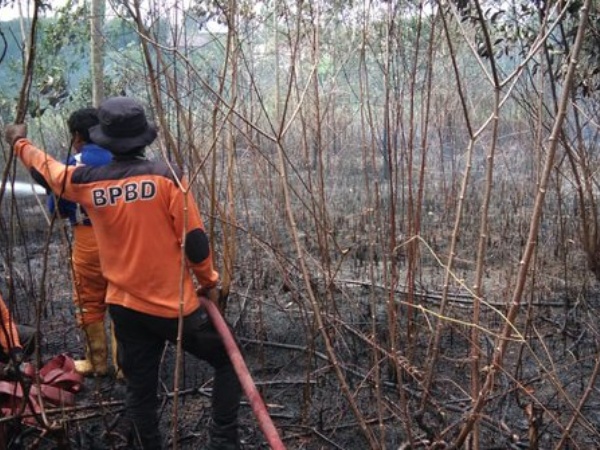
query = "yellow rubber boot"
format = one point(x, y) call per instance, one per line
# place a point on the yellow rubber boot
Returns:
point(96, 351)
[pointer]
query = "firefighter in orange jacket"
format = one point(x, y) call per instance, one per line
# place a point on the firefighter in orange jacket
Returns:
point(143, 220)
point(89, 285)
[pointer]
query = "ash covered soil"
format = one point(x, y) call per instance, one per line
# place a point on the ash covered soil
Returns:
point(300, 391)
point(545, 373)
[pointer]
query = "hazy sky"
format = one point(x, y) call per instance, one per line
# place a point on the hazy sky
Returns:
point(7, 13)
point(12, 12)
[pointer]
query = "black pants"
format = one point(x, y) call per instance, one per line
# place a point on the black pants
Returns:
point(141, 338)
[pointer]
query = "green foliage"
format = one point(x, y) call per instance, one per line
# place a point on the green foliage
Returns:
point(515, 26)
point(62, 66)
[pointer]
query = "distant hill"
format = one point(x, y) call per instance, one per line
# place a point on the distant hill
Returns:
point(62, 66)
point(10, 55)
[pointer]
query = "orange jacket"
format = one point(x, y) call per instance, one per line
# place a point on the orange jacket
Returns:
point(143, 222)
point(9, 336)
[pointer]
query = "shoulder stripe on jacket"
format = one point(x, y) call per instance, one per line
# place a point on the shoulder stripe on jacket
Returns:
point(123, 170)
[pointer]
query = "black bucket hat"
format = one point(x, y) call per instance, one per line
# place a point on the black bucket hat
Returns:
point(123, 126)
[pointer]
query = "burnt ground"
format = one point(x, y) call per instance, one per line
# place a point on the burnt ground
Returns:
point(272, 335)
point(546, 373)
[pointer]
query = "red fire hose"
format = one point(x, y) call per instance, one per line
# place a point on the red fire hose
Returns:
point(258, 406)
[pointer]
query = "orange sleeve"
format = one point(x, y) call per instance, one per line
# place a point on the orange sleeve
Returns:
point(186, 218)
point(56, 174)
point(9, 336)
